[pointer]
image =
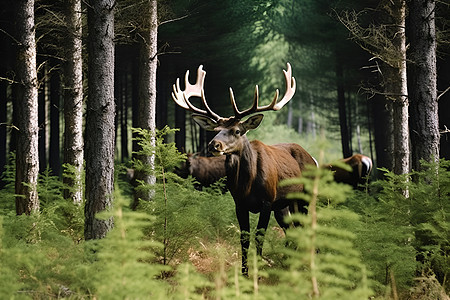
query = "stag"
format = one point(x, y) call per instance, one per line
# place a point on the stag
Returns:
point(360, 165)
point(253, 168)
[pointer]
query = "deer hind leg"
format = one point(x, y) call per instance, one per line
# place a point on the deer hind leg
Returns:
point(280, 216)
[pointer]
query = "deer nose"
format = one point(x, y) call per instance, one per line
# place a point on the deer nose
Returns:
point(215, 146)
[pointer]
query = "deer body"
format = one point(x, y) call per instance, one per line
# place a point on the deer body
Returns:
point(257, 170)
point(253, 169)
point(361, 167)
point(206, 170)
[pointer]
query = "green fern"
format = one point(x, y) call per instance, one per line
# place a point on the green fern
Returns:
point(322, 260)
point(125, 260)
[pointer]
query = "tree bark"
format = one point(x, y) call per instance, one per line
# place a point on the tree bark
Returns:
point(3, 122)
point(54, 149)
point(73, 101)
point(397, 87)
point(395, 83)
point(422, 78)
point(147, 96)
point(345, 139)
point(100, 134)
point(42, 115)
point(27, 160)
point(383, 131)
point(124, 119)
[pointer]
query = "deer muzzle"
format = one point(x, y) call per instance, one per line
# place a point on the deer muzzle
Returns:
point(216, 147)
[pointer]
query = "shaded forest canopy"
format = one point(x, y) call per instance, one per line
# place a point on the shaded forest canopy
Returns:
point(85, 101)
point(240, 45)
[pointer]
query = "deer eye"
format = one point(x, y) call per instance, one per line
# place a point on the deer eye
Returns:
point(237, 132)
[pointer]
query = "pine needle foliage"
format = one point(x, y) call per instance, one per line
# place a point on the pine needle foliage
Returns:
point(430, 216)
point(75, 179)
point(125, 260)
point(402, 237)
point(183, 214)
point(385, 239)
point(166, 154)
point(322, 261)
point(40, 257)
point(185, 243)
point(7, 193)
point(49, 188)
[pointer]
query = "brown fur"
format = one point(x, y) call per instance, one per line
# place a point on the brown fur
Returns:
point(206, 170)
point(254, 171)
point(360, 165)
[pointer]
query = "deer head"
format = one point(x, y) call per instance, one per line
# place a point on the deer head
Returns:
point(232, 129)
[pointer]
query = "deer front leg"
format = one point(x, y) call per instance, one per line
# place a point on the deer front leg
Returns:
point(263, 222)
point(244, 225)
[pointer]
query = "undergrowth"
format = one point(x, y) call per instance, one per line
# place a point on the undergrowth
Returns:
point(184, 244)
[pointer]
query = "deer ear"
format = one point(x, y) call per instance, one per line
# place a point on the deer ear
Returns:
point(252, 122)
point(205, 122)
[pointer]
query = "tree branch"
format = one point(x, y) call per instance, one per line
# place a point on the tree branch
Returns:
point(173, 20)
point(441, 94)
point(8, 79)
point(13, 38)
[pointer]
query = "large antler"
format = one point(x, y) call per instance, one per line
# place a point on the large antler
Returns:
point(182, 97)
point(274, 105)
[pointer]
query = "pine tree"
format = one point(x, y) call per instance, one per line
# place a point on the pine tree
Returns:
point(100, 128)
point(26, 110)
point(423, 82)
point(148, 58)
point(73, 100)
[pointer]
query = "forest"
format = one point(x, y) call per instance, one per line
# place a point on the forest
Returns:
point(98, 197)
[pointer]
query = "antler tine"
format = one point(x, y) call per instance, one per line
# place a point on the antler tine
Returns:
point(240, 114)
point(193, 90)
point(233, 103)
point(274, 105)
point(290, 88)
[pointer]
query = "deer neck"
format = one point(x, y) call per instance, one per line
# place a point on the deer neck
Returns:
point(241, 169)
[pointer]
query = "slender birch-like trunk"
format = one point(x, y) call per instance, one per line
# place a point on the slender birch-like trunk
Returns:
point(73, 101)
point(26, 106)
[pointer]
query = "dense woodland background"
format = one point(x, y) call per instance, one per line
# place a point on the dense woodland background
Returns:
point(76, 77)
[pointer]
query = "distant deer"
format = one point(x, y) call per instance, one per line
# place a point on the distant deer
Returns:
point(361, 166)
point(253, 169)
point(206, 170)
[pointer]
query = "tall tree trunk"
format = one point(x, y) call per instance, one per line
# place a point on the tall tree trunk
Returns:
point(147, 96)
point(3, 122)
point(396, 85)
point(163, 94)
point(345, 139)
point(27, 160)
point(383, 131)
point(54, 149)
point(42, 116)
point(100, 118)
point(135, 100)
point(180, 136)
point(73, 101)
point(422, 82)
point(124, 121)
point(6, 52)
point(290, 115)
